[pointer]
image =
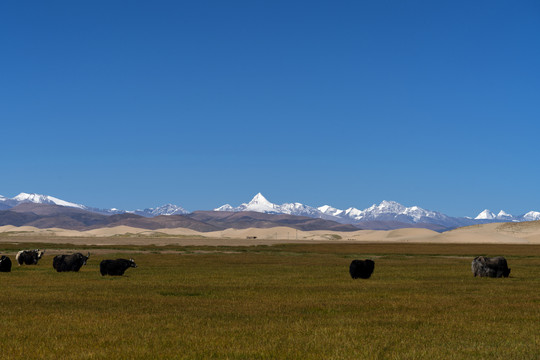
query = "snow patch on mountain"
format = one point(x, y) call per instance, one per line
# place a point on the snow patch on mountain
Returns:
point(486, 215)
point(260, 204)
point(501, 216)
point(45, 199)
point(329, 210)
point(168, 209)
point(531, 216)
point(226, 207)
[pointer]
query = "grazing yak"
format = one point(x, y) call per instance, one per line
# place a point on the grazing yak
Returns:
point(361, 268)
point(490, 267)
point(115, 267)
point(5, 264)
point(29, 257)
point(71, 262)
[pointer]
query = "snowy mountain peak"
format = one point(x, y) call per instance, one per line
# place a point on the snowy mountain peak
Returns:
point(45, 199)
point(226, 207)
point(35, 198)
point(329, 210)
point(168, 209)
point(260, 199)
point(385, 211)
point(531, 216)
point(504, 215)
point(259, 204)
point(391, 206)
point(485, 215)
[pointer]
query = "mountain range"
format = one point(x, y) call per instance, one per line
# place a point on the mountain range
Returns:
point(45, 216)
point(7, 203)
point(386, 211)
point(384, 216)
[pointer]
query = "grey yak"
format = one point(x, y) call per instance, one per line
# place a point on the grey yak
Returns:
point(495, 267)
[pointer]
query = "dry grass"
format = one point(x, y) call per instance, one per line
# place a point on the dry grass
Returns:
point(281, 302)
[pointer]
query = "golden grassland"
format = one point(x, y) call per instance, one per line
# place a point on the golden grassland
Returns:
point(274, 302)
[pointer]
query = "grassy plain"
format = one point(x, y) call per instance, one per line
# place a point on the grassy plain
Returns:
point(274, 302)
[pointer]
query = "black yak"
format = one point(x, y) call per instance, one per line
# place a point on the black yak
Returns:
point(29, 257)
point(71, 262)
point(115, 267)
point(361, 269)
point(5, 264)
point(490, 267)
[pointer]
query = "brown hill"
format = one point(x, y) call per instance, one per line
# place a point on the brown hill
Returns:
point(47, 209)
point(392, 225)
point(53, 216)
point(250, 219)
point(159, 222)
point(16, 219)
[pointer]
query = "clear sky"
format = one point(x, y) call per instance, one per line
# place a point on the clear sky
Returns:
point(134, 104)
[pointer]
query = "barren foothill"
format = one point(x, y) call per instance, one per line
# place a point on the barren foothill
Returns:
point(495, 233)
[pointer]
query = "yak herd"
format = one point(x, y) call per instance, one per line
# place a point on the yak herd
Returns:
point(481, 266)
point(63, 263)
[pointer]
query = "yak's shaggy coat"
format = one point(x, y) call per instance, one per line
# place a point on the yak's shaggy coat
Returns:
point(490, 267)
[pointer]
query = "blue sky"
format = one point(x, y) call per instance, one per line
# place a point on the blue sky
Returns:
point(136, 104)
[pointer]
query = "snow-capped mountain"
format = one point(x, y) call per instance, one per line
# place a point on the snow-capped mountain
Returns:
point(504, 216)
point(329, 210)
point(7, 203)
point(393, 211)
point(486, 215)
point(168, 209)
point(44, 199)
point(225, 207)
point(531, 216)
point(385, 211)
point(260, 204)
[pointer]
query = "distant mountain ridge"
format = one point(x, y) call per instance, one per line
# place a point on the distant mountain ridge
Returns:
point(386, 215)
point(386, 211)
point(6, 203)
point(503, 216)
point(46, 216)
